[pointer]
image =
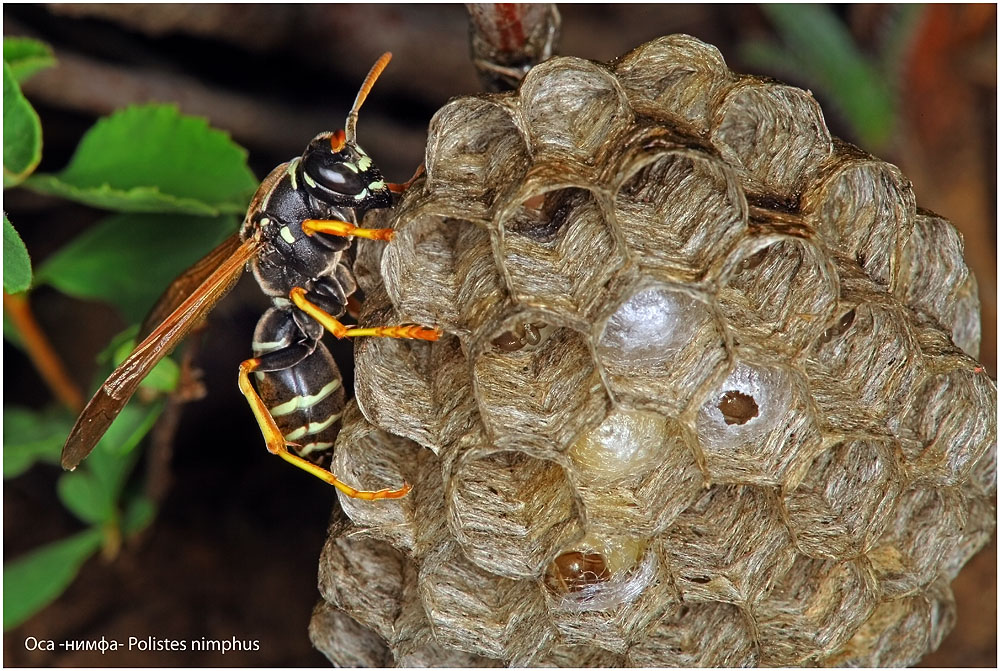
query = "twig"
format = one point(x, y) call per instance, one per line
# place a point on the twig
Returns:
point(161, 443)
point(43, 357)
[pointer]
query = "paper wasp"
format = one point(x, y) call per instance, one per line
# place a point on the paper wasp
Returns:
point(295, 236)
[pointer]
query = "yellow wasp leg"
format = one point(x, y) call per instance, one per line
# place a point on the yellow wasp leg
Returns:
point(345, 229)
point(331, 324)
point(276, 443)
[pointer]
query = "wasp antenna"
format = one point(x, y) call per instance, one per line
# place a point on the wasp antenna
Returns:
point(352, 118)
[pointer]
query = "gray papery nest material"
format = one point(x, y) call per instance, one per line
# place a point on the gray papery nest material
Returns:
point(707, 396)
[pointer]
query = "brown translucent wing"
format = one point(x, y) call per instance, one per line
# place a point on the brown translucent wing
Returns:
point(119, 387)
point(187, 283)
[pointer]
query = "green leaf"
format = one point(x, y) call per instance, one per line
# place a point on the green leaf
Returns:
point(152, 158)
point(84, 495)
point(30, 437)
point(138, 514)
point(113, 457)
point(36, 579)
point(129, 259)
point(131, 426)
point(22, 132)
point(121, 344)
point(163, 377)
point(16, 264)
point(92, 492)
point(26, 56)
point(831, 60)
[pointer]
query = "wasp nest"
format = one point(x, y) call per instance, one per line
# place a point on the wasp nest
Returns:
point(707, 396)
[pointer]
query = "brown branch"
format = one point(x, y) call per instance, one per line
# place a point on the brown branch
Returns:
point(161, 443)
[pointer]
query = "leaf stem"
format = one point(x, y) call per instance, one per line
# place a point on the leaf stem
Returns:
point(111, 538)
point(46, 361)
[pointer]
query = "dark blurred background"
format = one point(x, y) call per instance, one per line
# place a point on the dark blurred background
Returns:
point(233, 550)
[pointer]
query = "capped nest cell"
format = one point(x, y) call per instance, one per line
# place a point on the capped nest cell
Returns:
point(707, 393)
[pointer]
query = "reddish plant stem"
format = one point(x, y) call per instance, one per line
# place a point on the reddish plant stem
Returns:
point(43, 357)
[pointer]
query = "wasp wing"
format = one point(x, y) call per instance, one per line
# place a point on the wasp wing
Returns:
point(119, 387)
point(186, 284)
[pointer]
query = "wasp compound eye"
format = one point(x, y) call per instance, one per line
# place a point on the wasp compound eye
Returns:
point(339, 177)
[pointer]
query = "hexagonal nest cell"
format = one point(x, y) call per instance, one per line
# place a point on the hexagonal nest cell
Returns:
point(706, 394)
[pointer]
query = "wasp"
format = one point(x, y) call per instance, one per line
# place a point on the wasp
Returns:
point(295, 239)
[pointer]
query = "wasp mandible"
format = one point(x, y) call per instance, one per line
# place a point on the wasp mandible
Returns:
point(295, 237)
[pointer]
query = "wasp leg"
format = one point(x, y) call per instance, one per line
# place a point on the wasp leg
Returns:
point(345, 229)
point(400, 188)
point(276, 443)
point(331, 324)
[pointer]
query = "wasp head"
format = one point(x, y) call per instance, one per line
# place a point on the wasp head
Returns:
point(337, 172)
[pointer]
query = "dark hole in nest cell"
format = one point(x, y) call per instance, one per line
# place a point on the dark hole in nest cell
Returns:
point(840, 328)
point(541, 216)
point(737, 407)
point(653, 186)
point(754, 260)
point(790, 204)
